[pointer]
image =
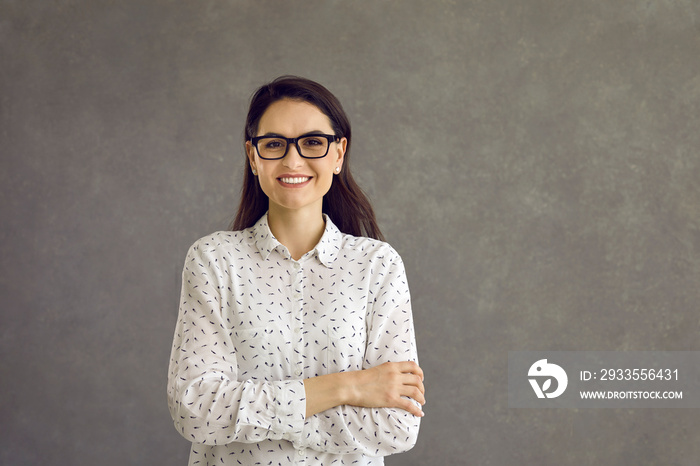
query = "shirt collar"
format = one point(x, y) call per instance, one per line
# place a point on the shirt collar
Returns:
point(326, 250)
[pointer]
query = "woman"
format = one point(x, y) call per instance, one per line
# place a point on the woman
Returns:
point(295, 342)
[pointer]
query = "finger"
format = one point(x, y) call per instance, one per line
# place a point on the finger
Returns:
point(413, 380)
point(421, 387)
point(415, 394)
point(408, 405)
point(419, 372)
point(410, 367)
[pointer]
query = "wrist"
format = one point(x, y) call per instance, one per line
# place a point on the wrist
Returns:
point(328, 391)
point(346, 385)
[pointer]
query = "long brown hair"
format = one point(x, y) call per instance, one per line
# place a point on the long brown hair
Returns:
point(345, 203)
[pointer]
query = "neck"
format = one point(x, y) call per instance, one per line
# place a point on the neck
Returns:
point(298, 230)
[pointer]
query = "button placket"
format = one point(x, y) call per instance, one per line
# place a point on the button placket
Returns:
point(298, 300)
point(300, 456)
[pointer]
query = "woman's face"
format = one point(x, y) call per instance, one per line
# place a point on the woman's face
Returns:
point(293, 182)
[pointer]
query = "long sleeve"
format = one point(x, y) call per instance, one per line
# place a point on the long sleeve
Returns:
point(207, 402)
point(254, 323)
point(390, 337)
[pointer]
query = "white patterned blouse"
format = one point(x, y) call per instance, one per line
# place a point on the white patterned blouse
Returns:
point(254, 323)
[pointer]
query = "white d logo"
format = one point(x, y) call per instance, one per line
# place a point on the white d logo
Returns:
point(543, 370)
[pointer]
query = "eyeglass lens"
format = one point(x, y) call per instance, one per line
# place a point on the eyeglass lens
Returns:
point(310, 146)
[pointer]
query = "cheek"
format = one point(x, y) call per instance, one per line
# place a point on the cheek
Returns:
point(265, 178)
point(266, 184)
point(325, 184)
point(325, 179)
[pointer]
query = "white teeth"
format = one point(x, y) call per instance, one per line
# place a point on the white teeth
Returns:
point(295, 180)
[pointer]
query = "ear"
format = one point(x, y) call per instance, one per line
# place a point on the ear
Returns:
point(250, 152)
point(342, 146)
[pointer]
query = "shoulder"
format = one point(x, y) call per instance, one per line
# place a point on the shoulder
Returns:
point(221, 243)
point(377, 261)
point(362, 248)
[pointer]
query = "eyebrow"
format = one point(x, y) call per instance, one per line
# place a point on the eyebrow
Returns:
point(278, 135)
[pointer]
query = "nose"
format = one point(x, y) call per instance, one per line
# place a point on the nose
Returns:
point(292, 159)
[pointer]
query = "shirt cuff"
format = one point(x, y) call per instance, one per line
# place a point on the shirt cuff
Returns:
point(290, 409)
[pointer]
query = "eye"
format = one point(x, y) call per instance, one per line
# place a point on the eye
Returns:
point(313, 142)
point(273, 144)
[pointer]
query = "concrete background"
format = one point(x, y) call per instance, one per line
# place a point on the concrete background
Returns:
point(535, 162)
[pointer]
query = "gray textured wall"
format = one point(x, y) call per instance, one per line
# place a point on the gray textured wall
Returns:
point(535, 162)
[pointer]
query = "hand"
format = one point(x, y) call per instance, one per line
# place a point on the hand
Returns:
point(389, 385)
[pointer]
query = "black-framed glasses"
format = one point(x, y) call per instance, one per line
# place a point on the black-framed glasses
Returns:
point(309, 146)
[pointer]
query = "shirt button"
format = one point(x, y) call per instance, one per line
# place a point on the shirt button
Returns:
point(298, 374)
point(300, 451)
point(297, 330)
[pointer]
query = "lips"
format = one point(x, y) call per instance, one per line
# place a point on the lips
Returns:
point(294, 179)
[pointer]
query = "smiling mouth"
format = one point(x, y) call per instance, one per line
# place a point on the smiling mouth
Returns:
point(295, 180)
